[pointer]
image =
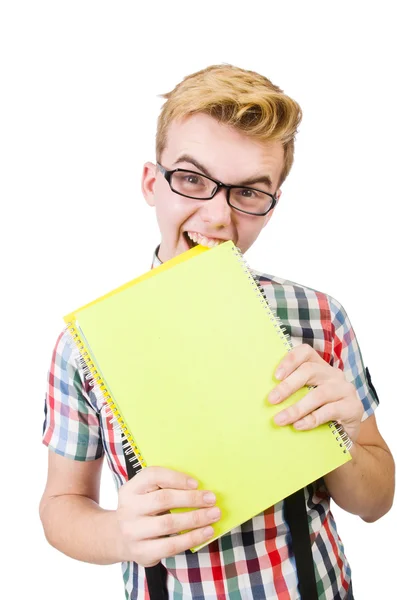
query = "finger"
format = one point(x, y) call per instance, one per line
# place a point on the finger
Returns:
point(170, 546)
point(323, 394)
point(295, 357)
point(325, 414)
point(172, 523)
point(346, 411)
point(154, 478)
point(308, 373)
point(165, 499)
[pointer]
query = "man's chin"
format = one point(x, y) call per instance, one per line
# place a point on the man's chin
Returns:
point(166, 253)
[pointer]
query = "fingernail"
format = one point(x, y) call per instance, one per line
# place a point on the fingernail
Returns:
point(214, 513)
point(192, 483)
point(209, 498)
point(274, 396)
point(300, 424)
point(279, 374)
point(280, 419)
point(208, 532)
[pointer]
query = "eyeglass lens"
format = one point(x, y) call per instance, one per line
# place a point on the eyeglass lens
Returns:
point(198, 186)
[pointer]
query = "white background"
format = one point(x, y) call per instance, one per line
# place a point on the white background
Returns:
point(80, 84)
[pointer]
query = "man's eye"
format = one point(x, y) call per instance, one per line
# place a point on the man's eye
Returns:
point(192, 179)
point(246, 193)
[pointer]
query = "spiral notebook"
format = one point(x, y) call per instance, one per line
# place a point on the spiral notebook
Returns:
point(184, 357)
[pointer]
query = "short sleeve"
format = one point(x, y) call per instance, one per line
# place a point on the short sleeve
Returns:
point(71, 424)
point(347, 357)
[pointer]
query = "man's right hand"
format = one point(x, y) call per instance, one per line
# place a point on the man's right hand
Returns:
point(145, 522)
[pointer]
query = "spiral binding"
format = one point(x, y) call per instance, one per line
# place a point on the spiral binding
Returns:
point(260, 293)
point(343, 439)
point(94, 379)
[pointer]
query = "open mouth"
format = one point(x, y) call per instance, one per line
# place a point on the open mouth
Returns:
point(189, 241)
point(194, 239)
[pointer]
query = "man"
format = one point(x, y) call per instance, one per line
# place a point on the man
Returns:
point(220, 127)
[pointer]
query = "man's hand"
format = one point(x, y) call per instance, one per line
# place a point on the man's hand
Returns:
point(145, 522)
point(333, 398)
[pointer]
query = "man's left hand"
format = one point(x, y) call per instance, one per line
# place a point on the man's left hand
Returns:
point(332, 399)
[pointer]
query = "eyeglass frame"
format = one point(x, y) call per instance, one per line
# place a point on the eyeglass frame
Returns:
point(219, 185)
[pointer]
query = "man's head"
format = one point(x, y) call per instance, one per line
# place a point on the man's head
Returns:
point(235, 127)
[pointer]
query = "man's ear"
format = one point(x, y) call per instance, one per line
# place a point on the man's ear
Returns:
point(148, 182)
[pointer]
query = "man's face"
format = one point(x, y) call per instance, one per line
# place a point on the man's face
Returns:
point(226, 155)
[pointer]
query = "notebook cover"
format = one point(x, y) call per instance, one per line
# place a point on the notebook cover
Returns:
point(188, 356)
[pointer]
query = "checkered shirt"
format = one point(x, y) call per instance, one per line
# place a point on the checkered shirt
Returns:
point(253, 561)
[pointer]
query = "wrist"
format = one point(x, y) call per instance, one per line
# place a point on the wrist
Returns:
point(114, 538)
point(108, 538)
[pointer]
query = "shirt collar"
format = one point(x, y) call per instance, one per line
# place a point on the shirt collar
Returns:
point(156, 261)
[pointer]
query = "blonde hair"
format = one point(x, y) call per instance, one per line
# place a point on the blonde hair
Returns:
point(243, 99)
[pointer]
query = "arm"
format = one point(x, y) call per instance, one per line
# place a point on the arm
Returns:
point(365, 485)
point(72, 519)
point(138, 530)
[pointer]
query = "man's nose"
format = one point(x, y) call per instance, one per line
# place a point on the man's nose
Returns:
point(216, 211)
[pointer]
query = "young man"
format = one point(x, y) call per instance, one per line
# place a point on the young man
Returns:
point(220, 127)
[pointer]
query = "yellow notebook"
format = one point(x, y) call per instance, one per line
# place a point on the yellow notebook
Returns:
point(185, 358)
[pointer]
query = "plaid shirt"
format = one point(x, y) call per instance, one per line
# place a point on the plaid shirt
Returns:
point(253, 561)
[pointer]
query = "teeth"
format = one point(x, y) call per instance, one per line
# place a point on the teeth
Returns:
point(202, 239)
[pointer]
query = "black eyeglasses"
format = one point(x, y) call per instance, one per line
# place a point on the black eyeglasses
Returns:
point(200, 187)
